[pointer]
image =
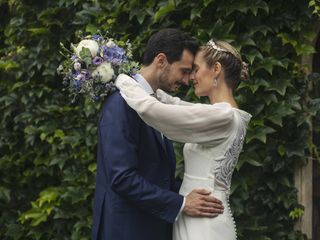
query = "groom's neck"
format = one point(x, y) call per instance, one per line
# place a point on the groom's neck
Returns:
point(149, 74)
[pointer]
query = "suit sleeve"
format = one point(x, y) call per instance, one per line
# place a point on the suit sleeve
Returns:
point(177, 185)
point(119, 132)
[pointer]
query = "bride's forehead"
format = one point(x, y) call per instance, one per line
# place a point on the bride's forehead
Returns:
point(199, 59)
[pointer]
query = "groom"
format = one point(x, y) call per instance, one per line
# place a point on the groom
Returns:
point(136, 194)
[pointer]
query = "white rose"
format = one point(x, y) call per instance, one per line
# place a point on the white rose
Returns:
point(90, 44)
point(110, 44)
point(105, 71)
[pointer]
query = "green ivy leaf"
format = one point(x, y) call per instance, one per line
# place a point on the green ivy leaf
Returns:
point(259, 133)
point(164, 10)
point(8, 65)
point(5, 194)
point(286, 39)
point(268, 64)
point(38, 31)
point(284, 181)
point(281, 150)
point(252, 55)
point(207, 2)
point(58, 134)
point(253, 162)
point(280, 85)
point(14, 231)
point(276, 112)
point(304, 49)
point(296, 213)
point(92, 167)
point(195, 12)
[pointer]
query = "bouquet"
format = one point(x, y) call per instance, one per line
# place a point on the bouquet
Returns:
point(92, 65)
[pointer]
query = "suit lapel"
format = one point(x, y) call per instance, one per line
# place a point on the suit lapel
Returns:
point(170, 151)
point(159, 139)
point(167, 150)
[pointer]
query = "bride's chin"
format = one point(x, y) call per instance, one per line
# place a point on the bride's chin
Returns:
point(197, 93)
point(200, 93)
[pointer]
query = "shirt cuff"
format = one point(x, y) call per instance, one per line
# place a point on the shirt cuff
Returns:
point(181, 209)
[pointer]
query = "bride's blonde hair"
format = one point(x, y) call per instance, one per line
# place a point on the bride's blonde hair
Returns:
point(230, 59)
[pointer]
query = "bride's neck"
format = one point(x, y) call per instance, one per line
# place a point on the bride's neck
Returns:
point(222, 94)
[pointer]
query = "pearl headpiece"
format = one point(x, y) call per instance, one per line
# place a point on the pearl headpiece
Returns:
point(212, 44)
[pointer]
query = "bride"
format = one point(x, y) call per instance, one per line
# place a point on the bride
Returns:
point(213, 133)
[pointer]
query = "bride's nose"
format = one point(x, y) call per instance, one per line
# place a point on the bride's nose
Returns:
point(192, 75)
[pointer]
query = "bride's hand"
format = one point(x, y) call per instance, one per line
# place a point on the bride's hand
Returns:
point(199, 203)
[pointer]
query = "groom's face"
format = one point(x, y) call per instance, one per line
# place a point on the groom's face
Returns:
point(178, 73)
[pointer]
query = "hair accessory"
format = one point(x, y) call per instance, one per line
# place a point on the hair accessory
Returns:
point(212, 44)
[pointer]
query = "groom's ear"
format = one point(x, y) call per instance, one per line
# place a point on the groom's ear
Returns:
point(161, 60)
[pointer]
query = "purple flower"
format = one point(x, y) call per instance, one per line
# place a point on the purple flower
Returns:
point(76, 84)
point(65, 81)
point(133, 72)
point(97, 61)
point(96, 37)
point(80, 77)
point(74, 57)
point(114, 54)
point(86, 74)
point(75, 74)
point(121, 51)
point(107, 53)
point(116, 61)
point(95, 98)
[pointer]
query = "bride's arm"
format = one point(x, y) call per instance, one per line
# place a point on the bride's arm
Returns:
point(197, 123)
point(168, 99)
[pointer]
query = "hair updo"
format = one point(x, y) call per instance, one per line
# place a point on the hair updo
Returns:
point(230, 59)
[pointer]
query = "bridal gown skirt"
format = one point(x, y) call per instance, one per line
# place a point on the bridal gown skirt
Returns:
point(221, 227)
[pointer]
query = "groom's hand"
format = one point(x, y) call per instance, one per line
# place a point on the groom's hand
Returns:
point(199, 203)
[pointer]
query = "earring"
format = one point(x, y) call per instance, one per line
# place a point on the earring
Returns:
point(215, 82)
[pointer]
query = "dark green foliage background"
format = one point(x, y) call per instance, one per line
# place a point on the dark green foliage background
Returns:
point(48, 145)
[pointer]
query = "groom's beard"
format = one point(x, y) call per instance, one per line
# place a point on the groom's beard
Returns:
point(166, 84)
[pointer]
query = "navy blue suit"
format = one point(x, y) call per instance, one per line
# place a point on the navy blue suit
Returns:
point(135, 184)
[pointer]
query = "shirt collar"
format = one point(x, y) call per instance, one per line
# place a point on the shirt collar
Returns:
point(144, 83)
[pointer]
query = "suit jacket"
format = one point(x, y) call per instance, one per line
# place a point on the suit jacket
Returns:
point(134, 198)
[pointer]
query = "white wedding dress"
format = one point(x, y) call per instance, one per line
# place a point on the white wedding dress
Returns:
point(214, 136)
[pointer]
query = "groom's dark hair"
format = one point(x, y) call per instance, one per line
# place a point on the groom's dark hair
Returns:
point(171, 42)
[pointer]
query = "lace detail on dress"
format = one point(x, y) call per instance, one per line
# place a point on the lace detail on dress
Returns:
point(224, 167)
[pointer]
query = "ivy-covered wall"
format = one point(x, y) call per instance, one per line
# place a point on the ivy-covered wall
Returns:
point(48, 145)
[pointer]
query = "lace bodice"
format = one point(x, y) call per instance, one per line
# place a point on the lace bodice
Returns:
point(218, 162)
